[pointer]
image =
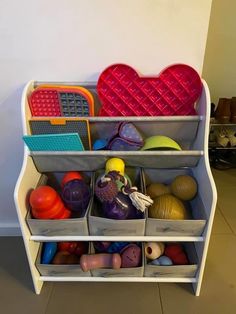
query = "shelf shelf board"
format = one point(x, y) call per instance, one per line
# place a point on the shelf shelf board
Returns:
point(195, 118)
point(222, 148)
point(40, 238)
point(118, 279)
point(222, 124)
point(93, 160)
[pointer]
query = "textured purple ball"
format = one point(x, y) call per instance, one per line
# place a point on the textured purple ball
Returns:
point(76, 195)
point(131, 256)
point(120, 208)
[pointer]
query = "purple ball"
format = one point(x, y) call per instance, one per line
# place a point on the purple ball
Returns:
point(131, 256)
point(76, 195)
point(120, 208)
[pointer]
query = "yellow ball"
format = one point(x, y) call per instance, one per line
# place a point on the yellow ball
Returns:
point(157, 189)
point(167, 207)
point(184, 187)
point(116, 164)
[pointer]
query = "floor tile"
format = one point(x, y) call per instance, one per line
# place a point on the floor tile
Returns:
point(220, 226)
point(218, 294)
point(226, 202)
point(16, 288)
point(224, 178)
point(100, 298)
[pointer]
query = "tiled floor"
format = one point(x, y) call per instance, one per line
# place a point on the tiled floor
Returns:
point(218, 294)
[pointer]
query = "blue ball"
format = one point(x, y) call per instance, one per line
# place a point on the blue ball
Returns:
point(165, 261)
point(155, 262)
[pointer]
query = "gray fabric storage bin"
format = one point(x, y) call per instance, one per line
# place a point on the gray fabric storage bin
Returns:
point(175, 271)
point(112, 227)
point(60, 227)
point(122, 272)
point(161, 227)
point(59, 270)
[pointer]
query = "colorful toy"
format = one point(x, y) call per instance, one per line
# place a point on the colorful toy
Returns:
point(62, 125)
point(123, 92)
point(160, 142)
point(115, 191)
point(184, 187)
point(157, 189)
point(161, 261)
point(76, 195)
point(77, 248)
point(48, 252)
point(106, 189)
point(125, 136)
point(115, 164)
point(102, 260)
point(167, 207)
point(100, 144)
point(176, 253)
point(57, 100)
point(131, 256)
point(69, 176)
point(46, 203)
point(54, 142)
point(65, 258)
point(165, 261)
point(153, 250)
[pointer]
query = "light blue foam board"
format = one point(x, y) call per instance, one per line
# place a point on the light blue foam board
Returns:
point(54, 142)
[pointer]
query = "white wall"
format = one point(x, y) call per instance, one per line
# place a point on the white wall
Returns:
point(75, 40)
point(220, 57)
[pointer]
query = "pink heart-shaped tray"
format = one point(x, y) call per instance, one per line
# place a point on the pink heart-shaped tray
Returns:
point(123, 92)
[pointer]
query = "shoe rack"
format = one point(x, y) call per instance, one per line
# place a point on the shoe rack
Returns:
point(191, 131)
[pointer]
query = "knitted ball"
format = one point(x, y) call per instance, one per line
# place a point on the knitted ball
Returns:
point(106, 191)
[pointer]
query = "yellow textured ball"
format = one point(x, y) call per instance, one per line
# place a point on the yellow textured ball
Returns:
point(157, 189)
point(167, 207)
point(184, 187)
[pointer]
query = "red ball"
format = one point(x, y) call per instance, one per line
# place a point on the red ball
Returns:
point(176, 253)
point(69, 176)
point(77, 248)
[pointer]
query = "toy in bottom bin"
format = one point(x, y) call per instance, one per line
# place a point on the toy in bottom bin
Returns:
point(115, 255)
point(48, 252)
point(77, 248)
point(165, 255)
point(120, 200)
point(131, 256)
point(63, 253)
point(75, 193)
point(46, 203)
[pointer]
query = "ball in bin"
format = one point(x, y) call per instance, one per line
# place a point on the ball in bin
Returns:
point(76, 195)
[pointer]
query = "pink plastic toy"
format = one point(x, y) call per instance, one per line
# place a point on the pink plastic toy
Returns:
point(102, 260)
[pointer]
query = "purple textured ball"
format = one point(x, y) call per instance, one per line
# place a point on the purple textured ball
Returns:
point(131, 256)
point(76, 195)
point(120, 208)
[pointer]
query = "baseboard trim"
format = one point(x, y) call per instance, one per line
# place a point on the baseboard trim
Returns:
point(10, 229)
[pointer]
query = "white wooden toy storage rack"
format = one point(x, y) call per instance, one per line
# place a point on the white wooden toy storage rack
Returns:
point(190, 131)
